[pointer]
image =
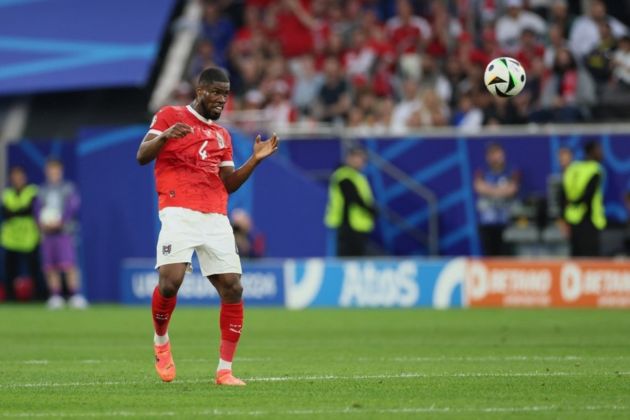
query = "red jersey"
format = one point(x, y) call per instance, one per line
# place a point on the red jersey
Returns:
point(187, 169)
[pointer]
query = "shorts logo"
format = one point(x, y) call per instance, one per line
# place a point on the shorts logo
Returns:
point(166, 249)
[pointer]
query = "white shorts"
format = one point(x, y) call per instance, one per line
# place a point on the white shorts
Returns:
point(210, 235)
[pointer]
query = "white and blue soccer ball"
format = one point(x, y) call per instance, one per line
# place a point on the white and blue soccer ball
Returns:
point(504, 77)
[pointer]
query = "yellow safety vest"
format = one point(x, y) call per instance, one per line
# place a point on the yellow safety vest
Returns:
point(360, 219)
point(576, 178)
point(19, 233)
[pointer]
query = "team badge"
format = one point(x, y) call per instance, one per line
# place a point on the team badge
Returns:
point(166, 249)
point(221, 141)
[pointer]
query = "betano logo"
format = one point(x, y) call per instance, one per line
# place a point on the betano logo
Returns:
point(611, 286)
point(506, 283)
point(484, 281)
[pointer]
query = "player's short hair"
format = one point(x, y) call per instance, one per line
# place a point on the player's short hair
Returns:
point(590, 147)
point(213, 74)
point(16, 168)
point(54, 161)
point(492, 146)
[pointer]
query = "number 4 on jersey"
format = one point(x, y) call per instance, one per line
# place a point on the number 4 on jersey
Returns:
point(202, 150)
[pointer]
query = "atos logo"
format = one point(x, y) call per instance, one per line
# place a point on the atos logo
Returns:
point(366, 285)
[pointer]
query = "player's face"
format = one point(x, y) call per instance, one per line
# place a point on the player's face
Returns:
point(496, 157)
point(17, 178)
point(54, 173)
point(212, 98)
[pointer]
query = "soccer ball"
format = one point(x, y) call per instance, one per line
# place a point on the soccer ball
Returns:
point(49, 216)
point(504, 77)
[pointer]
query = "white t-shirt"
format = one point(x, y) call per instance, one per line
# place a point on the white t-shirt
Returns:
point(508, 29)
point(584, 35)
point(622, 66)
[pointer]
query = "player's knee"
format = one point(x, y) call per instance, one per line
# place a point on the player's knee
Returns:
point(168, 287)
point(233, 292)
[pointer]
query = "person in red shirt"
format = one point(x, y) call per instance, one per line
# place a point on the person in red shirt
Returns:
point(194, 173)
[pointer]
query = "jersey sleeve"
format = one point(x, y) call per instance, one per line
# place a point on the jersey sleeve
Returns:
point(160, 121)
point(227, 158)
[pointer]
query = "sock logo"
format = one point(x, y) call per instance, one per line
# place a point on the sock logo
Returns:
point(236, 328)
point(161, 317)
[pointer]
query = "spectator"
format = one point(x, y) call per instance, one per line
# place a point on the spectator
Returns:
point(560, 17)
point(376, 53)
point(561, 90)
point(444, 29)
point(244, 42)
point(467, 117)
point(249, 242)
point(407, 32)
point(585, 34)
point(406, 108)
point(292, 26)
point(182, 95)
point(434, 112)
point(621, 62)
point(626, 200)
point(383, 116)
point(456, 76)
point(433, 79)
point(19, 235)
point(279, 111)
point(56, 208)
point(334, 96)
point(496, 188)
point(351, 211)
point(357, 122)
point(530, 49)
point(250, 72)
point(308, 82)
point(218, 30)
point(251, 114)
point(359, 58)
point(204, 57)
point(598, 61)
point(556, 43)
point(583, 202)
point(382, 79)
point(510, 26)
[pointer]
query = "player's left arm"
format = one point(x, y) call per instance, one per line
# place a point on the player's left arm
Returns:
point(233, 179)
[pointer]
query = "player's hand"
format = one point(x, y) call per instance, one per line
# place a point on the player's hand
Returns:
point(52, 227)
point(177, 131)
point(263, 149)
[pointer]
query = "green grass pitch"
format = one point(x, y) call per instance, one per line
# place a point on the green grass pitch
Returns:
point(320, 364)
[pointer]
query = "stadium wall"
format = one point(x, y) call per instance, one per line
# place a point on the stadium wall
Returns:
point(119, 214)
point(405, 282)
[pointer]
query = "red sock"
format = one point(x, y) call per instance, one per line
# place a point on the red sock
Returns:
point(231, 322)
point(162, 309)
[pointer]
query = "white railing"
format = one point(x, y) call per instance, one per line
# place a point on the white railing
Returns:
point(255, 121)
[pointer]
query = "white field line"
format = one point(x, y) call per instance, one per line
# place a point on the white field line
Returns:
point(99, 361)
point(348, 410)
point(396, 359)
point(321, 378)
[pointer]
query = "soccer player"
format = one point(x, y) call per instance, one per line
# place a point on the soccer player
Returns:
point(194, 172)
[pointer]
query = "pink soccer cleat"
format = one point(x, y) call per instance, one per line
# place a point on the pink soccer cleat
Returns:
point(225, 377)
point(164, 364)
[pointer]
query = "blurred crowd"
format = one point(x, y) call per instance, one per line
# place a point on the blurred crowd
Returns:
point(393, 66)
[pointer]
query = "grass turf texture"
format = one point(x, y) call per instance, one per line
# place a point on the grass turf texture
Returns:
point(320, 363)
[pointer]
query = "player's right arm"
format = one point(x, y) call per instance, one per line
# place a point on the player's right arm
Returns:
point(153, 143)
